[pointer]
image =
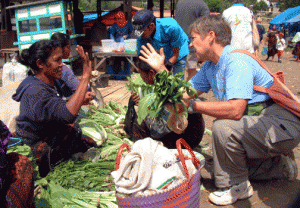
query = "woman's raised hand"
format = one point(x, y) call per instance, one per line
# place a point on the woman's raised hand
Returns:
point(150, 56)
point(87, 64)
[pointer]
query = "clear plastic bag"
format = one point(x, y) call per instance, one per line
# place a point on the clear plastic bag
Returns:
point(13, 72)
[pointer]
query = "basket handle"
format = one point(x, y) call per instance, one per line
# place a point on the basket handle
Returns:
point(119, 154)
point(195, 160)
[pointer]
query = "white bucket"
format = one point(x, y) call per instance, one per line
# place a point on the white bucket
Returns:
point(107, 45)
point(130, 45)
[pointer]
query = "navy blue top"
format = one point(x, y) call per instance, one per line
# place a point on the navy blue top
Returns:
point(117, 32)
point(68, 81)
point(43, 112)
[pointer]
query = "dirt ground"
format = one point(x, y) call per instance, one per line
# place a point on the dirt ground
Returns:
point(275, 193)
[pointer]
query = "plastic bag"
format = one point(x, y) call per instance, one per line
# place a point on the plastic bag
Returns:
point(264, 51)
point(13, 72)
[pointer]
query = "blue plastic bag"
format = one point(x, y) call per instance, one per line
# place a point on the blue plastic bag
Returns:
point(264, 51)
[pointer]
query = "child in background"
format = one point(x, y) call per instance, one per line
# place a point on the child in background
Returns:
point(280, 46)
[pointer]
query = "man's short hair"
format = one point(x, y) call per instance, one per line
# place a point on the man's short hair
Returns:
point(215, 23)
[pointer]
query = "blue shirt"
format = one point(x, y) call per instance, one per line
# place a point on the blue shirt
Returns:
point(117, 32)
point(70, 80)
point(233, 77)
point(168, 35)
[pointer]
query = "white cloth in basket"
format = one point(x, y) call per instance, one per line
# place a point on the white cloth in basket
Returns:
point(136, 168)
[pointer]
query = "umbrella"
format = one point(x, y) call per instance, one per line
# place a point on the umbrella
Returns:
point(296, 37)
point(294, 19)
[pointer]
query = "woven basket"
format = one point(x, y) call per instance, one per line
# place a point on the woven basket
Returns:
point(186, 194)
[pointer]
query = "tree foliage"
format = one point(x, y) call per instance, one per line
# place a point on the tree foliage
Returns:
point(260, 6)
point(285, 4)
point(218, 5)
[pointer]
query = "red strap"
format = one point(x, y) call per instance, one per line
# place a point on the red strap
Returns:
point(119, 154)
point(260, 89)
point(254, 57)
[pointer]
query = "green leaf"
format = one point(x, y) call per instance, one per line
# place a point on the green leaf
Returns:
point(144, 105)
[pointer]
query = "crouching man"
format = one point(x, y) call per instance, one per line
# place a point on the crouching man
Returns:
point(253, 137)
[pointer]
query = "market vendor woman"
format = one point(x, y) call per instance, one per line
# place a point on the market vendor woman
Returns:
point(46, 121)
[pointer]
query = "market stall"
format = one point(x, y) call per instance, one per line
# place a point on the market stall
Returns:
point(101, 57)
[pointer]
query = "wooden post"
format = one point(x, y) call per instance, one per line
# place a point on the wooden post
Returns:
point(127, 6)
point(99, 10)
point(162, 5)
point(172, 8)
point(3, 14)
point(129, 11)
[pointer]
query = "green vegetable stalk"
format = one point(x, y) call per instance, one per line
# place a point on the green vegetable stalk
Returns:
point(166, 89)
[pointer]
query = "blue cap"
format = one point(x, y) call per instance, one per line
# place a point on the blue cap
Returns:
point(141, 20)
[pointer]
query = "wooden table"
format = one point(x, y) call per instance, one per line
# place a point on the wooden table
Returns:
point(7, 51)
point(104, 56)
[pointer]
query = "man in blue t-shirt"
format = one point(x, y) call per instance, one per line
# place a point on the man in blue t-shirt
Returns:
point(253, 137)
point(162, 33)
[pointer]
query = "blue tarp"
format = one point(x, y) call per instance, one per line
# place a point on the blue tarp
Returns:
point(90, 17)
point(285, 16)
point(294, 19)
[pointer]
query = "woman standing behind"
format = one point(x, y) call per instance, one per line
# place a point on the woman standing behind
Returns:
point(272, 41)
point(121, 29)
point(47, 122)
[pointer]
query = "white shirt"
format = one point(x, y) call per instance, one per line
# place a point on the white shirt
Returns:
point(240, 20)
point(280, 44)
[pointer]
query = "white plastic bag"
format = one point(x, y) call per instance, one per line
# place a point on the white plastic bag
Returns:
point(13, 73)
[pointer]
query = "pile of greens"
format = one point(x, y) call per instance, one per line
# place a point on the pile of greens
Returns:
point(167, 88)
point(68, 184)
point(57, 196)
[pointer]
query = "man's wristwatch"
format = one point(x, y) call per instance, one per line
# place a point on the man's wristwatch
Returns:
point(190, 109)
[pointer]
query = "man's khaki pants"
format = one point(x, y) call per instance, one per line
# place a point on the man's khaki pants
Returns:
point(251, 147)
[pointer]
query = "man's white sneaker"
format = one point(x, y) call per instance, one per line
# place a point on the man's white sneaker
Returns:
point(229, 196)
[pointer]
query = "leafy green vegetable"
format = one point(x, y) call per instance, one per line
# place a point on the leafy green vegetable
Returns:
point(93, 130)
point(166, 89)
point(57, 196)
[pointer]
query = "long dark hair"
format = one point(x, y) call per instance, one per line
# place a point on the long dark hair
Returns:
point(61, 39)
point(39, 50)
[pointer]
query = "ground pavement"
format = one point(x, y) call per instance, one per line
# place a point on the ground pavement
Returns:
point(275, 193)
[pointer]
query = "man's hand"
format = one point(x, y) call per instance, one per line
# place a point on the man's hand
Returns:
point(88, 97)
point(155, 60)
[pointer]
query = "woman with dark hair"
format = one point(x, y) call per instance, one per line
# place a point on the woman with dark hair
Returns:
point(159, 130)
point(69, 81)
point(272, 42)
point(47, 122)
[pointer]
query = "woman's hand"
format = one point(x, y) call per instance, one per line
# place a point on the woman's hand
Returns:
point(155, 60)
point(89, 96)
point(87, 64)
